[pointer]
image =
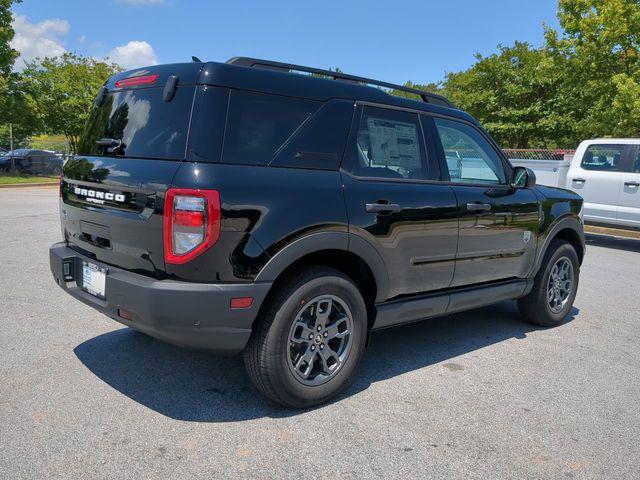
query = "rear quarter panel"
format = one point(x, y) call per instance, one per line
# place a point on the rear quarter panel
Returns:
point(263, 210)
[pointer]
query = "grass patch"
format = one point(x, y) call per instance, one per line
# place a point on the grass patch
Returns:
point(13, 179)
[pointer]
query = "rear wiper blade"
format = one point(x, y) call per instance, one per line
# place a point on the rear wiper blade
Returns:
point(112, 145)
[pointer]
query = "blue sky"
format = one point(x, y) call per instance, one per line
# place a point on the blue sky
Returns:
point(393, 41)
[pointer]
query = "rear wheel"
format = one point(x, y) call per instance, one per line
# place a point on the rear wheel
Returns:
point(309, 340)
point(555, 286)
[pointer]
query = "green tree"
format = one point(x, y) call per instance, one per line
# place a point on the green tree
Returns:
point(16, 111)
point(513, 94)
point(21, 135)
point(61, 90)
point(598, 62)
point(10, 100)
point(429, 88)
point(7, 54)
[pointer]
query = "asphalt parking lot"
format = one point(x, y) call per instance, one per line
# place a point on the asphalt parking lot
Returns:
point(475, 395)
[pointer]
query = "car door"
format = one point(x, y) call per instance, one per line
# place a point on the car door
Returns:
point(395, 201)
point(597, 178)
point(629, 204)
point(498, 222)
point(31, 162)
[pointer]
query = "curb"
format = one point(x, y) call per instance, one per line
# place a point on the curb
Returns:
point(616, 232)
point(26, 185)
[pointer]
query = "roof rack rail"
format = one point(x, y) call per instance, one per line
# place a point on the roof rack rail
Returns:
point(271, 65)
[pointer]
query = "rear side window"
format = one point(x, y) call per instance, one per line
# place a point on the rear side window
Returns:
point(603, 157)
point(146, 125)
point(319, 143)
point(259, 124)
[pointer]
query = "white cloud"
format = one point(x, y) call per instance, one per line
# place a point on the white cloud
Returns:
point(38, 40)
point(47, 39)
point(141, 2)
point(133, 55)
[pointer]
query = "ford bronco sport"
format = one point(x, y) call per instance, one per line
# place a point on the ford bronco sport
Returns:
point(286, 212)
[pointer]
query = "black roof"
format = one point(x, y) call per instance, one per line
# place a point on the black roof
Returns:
point(280, 78)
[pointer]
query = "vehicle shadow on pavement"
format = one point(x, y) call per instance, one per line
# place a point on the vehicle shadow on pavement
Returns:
point(195, 386)
point(619, 243)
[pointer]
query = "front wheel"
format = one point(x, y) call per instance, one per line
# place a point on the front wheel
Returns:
point(555, 286)
point(309, 339)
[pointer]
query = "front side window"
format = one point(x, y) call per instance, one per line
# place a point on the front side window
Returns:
point(603, 157)
point(636, 164)
point(388, 145)
point(469, 156)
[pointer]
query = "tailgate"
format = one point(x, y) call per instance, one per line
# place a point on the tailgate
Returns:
point(135, 139)
point(111, 209)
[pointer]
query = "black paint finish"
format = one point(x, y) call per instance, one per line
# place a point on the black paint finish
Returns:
point(417, 243)
point(499, 243)
point(134, 227)
point(263, 210)
point(430, 251)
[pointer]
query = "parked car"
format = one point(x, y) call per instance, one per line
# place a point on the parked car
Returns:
point(3, 151)
point(32, 162)
point(287, 216)
point(605, 172)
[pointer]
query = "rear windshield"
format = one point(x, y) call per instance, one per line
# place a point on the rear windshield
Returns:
point(141, 123)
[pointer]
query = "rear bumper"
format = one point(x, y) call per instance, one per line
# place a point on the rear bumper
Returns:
point(187, 314)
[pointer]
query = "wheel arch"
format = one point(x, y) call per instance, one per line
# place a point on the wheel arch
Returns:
point(351, 255)
point(568, 228)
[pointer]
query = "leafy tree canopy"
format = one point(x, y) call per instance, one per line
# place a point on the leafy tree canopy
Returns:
point(61, 90)
point(582, 83)
point(7, 54)
point(512, 93)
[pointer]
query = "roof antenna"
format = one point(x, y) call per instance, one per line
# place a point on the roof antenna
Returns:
point(196, 59)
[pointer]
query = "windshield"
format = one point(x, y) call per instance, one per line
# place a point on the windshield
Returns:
point(139, 123)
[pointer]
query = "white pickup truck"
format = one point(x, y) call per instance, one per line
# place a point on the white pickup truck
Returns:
point(605, 172)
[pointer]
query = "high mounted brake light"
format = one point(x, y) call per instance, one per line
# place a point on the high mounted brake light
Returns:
point(135, 81)
point(191, 223)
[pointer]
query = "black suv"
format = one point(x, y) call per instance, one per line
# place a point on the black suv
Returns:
point(32, 162)
point(287, 212)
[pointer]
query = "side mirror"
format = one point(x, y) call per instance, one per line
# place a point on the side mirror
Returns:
point(523, 177)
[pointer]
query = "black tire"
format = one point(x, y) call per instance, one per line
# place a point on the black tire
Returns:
point(268, 353)
point(536, 307)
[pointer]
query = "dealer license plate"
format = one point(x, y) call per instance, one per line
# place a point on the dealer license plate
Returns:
point(94, 279)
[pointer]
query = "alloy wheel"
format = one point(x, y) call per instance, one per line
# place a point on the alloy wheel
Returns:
point(560, 284)
point(320, 339)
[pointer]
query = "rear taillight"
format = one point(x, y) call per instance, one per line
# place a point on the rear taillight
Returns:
point(191, 223)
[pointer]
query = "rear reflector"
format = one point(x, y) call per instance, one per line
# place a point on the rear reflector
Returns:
point(134, 81)
point(191, 223)
point(241, 302)
point(126, 314)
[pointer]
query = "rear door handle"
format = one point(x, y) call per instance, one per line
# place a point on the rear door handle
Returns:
point(578, 180)
point(478, 207)
point(382, 207)
point(632, 184)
